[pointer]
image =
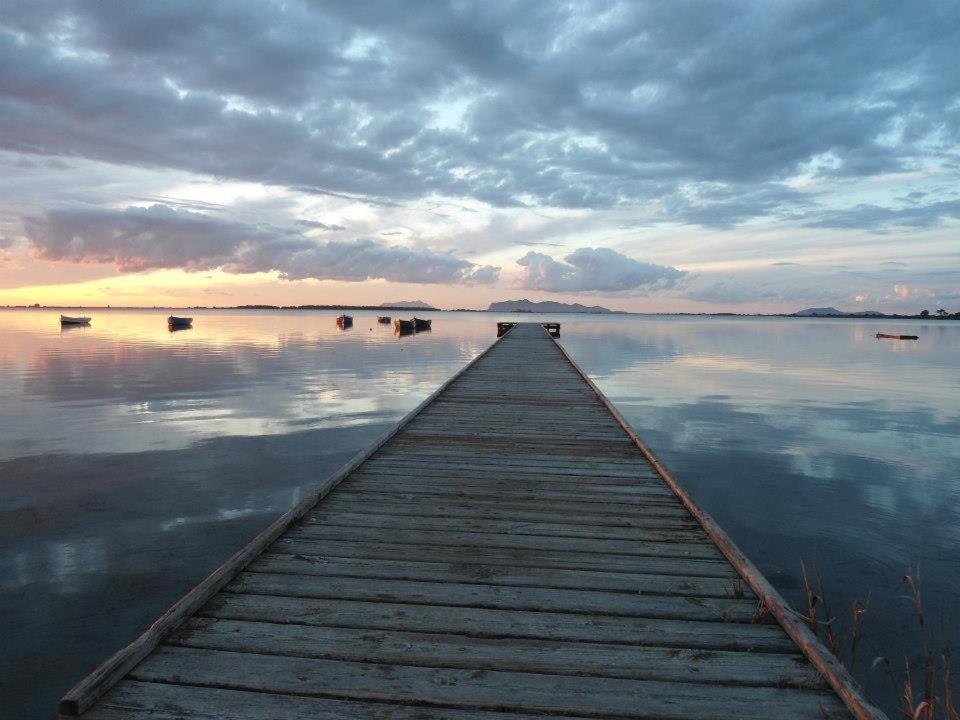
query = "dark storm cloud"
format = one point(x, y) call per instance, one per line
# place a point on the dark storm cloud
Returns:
point(137, 239)
point(593, 269)
point(584, 105)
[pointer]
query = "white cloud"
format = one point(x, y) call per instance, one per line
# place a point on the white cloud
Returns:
point(593, 269)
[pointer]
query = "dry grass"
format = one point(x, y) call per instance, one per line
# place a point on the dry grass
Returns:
point(925, 688)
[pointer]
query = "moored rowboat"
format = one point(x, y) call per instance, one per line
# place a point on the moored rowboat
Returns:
point(404, 327)
point(67, 320)
point(421, 324)
point(384, 319)
point(898, 337)
point(344, 321)
point(179, 322)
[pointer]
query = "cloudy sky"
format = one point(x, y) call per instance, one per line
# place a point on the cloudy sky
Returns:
point(750, 156)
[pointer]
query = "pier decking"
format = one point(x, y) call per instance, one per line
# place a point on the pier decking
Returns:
point(511, 551)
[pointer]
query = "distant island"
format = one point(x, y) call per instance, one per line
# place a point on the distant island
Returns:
point(413, 304)
point(546, 307)
point(833, 312)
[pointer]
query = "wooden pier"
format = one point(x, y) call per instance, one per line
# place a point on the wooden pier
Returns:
point(511, 550)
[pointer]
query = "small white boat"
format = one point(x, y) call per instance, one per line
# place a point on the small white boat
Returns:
point(179, 322)
point(67, 320)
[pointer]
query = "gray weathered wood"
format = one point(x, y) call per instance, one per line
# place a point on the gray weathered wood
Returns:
point(133, 700)
point(503, 527)
point(648, 548)
point(451, 594)
point(636, 583)
point(488, 689)
point(693, 567)
point(494, 623)
point(460, 651)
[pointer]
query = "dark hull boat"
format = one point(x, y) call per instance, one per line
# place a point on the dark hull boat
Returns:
point(344, 321)
point(421, 324)
point(403, 327)
point(179, 323)
point(384, 319)
point(898, 337)
point(67, 320)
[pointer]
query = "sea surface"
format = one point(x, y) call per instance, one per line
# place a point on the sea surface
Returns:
point(134, 460)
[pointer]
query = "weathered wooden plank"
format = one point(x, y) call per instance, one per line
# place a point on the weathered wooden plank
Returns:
point(534, 514)
point(544, 457)
point(637, 583)
point(640, 483)
point(496, 597)
point(506, 556)
point(413, 462)
point(503, 527)
point(492, 623)
point(570, 501)
point(538, 656)
point(644, 485)
point(133, 700)
point(407, 480)
point(604, 697)
point(465, 439)
point(414, 536)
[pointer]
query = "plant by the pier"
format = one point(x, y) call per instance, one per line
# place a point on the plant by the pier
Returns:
point(922, 697)
point(829, 628)
point(925, 689)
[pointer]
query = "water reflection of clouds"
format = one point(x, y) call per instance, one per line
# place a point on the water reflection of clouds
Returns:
point(762, 363)
point(866, 490)
point(82, 516)
point(136, 460)
point(132, 388)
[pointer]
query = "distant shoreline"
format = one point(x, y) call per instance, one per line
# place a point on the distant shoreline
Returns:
point(378, 308)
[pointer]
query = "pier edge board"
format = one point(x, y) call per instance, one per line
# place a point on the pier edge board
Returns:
point(86, 692)
point(834, 672)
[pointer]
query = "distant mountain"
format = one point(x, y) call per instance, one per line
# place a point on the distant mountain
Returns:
point(547, 306)
point(416, 304)
point(833, 312)
point(819, 312)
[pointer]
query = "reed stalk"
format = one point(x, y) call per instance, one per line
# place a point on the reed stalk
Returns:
point(925, 689)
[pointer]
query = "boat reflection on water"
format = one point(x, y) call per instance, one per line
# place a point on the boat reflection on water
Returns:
point(70, 327)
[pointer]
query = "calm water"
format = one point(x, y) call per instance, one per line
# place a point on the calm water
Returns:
point(134, 460)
